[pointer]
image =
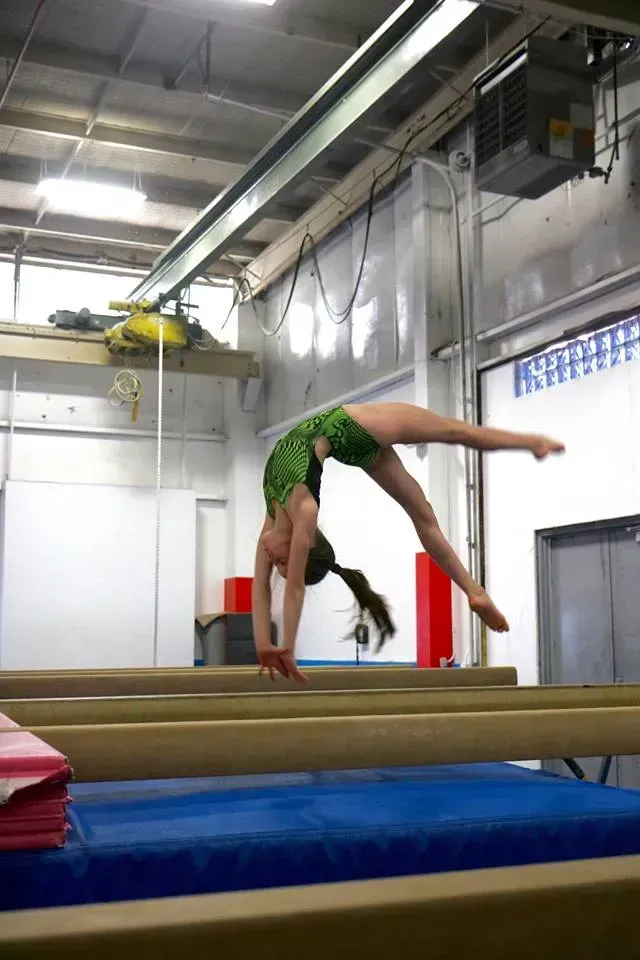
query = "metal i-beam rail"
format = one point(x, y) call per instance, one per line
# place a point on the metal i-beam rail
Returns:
point(220, 748)
point(328, 703)
point(382, 63)
point(502, 914)
point(52, 345)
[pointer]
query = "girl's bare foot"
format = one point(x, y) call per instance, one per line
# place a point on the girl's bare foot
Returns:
point(485, 608)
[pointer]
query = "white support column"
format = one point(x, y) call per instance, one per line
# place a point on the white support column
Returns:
point(435, 276)
point(245, 458)
point(433, 305)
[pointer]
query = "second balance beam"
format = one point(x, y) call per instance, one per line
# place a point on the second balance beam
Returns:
point(281, 706)
point(141, 751)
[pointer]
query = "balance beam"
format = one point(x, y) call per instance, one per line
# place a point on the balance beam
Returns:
point(141, 751)
point(197, 680)
point(280, 706)
point(142, 671)
point(529, 913)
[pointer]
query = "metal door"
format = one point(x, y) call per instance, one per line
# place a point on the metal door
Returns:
point(589, 613)
point(576, 639)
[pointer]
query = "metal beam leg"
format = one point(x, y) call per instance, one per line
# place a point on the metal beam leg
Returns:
point(605, 767)
point(575, 768)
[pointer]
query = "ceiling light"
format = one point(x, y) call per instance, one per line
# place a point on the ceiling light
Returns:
point(265, 3)
point(90, 199)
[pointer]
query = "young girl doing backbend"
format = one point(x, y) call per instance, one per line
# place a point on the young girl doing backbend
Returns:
point(358, 435)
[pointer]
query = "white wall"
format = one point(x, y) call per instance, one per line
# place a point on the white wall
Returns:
point(211, 555)
point(598, 478)
point(69, 438)
point(317, 355)
point(78, 577)
point(369, 532)
point(68, 430)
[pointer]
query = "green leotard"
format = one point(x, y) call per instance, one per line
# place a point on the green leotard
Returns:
point(293, 459)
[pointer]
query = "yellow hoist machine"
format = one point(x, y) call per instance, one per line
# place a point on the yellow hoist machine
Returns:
point(138, 333)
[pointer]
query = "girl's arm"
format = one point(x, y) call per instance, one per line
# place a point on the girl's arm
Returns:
point(302, 539)
point(261, 596)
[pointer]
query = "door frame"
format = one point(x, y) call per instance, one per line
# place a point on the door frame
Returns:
point(543, 545)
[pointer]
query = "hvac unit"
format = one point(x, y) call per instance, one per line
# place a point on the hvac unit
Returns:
point(534, 119)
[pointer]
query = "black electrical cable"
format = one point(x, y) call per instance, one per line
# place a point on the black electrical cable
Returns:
point(615, 153)
point(339, 316)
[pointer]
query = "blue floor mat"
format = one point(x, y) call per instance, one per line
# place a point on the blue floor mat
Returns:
point(178, 837)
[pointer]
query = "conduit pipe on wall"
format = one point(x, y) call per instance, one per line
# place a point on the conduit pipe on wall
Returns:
point(117, 433)
point(357, 395)
point(466, 332)
point(12, 422)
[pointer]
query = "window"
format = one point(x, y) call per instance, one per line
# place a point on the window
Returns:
point(608, 347)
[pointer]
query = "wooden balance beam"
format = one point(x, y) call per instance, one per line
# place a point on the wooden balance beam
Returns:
point(199, 680)
point(530, 913)
point(140, 751)
point(141, 671)
point(280, 706)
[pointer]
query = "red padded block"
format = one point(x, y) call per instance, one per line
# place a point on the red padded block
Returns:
point(237, 594)
point(434, 618)
point(33, 790)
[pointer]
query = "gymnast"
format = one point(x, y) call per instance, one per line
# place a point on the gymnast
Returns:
point(357, 435)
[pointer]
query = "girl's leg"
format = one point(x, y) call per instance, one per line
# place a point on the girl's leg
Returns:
point(393, 423)
point(390, 474)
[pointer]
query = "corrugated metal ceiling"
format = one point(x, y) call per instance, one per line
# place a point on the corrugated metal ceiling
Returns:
point(79, 44)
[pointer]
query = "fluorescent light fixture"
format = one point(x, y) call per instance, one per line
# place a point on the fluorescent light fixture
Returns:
point(90, 199)
point(264, 3)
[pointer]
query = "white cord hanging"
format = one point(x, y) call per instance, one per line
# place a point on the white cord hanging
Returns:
point(127, 388)
point(156, 599)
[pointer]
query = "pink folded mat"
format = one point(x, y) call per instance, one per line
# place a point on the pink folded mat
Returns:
point(33, 790)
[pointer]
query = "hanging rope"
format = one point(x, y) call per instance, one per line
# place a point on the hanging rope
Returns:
point(156, 599)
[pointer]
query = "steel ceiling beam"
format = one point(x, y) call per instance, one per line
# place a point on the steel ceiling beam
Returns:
point(318, 30)
point(383, 63)
point(104, 256)
point(20, 53)
point(622, 16)
point(128, 138)
point(104, 232)
point(132, 43)
point(85, 230)
point(163, 144)
point(150, 75)
point(437, 117)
